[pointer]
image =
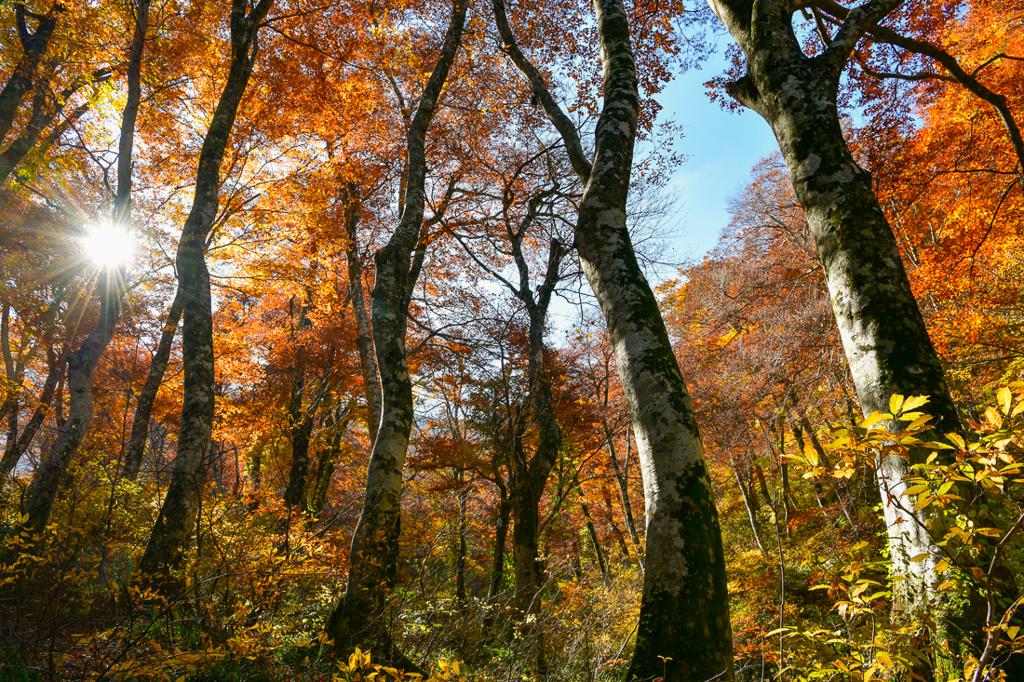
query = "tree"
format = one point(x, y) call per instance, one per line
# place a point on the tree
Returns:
point(181, 504)
point(684, 612)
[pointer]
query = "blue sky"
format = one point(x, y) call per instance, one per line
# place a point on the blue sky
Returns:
point(722, 148)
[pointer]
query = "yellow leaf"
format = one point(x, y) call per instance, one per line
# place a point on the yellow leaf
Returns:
point(1005, 399)
point(914, 402)
point(872, 419)
point(956, 440)
point(895, 403)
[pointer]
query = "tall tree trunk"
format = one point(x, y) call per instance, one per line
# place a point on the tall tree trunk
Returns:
point(367, 361)
point(881, 326)
point(501, 521)
point(82, 364)
point(300, 419)
point(750, 503)
point(460, 542)
point(184, 495)
point(136, 448)
point(42, 492)
point(684, 632)
point(357, 619)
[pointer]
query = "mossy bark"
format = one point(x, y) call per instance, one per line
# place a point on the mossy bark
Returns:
point(358, 619)
point(173, 527)
point(684, 632)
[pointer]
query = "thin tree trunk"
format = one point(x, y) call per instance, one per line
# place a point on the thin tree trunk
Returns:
point(460, 543)
point(136, 448)
point(750, 504)
point(622, 480)
point(42, 492)
point(596, 542)
point(367, 361)
point(16, 449)
point(184, 495)
point(358, 618)
point(616, 531)
point(300, 420)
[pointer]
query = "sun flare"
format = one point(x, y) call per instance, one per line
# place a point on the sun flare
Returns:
point(107, 245)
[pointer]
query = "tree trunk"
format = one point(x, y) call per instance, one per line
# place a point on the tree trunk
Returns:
point(42, 492)
point(34, 46)
point(460, 543)
point(750, 503)
point(596, 542)
point(358, 619)
point(367, 361)
point(300, 420)
point(684, 612)
point(622, 480)
point(15, 449)
point(184, 495)
point(881, 326)
point(136, 448)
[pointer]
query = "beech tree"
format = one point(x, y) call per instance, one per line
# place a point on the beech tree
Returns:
point(181, 503)
point(684, 631)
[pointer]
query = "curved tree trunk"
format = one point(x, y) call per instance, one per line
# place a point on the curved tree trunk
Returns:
point(881, 326)
point(684, 632)
point(184, 495)
point(82, 363)
point(42, 492)
point(358, 618)
point(144, 405)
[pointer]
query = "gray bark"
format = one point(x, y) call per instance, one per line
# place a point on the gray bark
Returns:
point(136, 447)
point(881, 326)
point(42, 492)
point(684, 613)
point(184, 495)
point(367, 361)
point(356, 620)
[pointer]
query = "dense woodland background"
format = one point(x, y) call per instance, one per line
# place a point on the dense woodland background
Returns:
point(372, 217)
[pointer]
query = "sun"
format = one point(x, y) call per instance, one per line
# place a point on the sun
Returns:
point(107, 245)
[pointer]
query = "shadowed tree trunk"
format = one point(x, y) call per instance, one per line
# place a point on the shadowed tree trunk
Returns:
point(15, 449)
point(147, 398)
point(34, 46)
point(357, 620)
point(300, 418)
point(184, 495)
point(684, 632)
point(82, 363)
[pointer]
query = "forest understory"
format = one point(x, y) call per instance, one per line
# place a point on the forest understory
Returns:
point(331, 351)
